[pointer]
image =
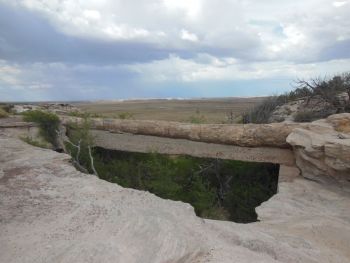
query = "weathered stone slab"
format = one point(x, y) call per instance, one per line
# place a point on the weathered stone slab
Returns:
point(323, 150)
point(146, 144)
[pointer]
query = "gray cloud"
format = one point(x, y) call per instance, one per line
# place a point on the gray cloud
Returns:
point(338, 50)
point(105, 49)
point(137, 31)
point(27, 37)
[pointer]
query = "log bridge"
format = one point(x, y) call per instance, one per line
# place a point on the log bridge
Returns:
point(244, 142)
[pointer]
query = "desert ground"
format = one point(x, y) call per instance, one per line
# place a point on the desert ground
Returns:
point(202, 110)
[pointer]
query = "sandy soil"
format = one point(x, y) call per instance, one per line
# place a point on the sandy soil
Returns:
point(208, 110)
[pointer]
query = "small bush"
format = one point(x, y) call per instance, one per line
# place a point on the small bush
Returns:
point(48, 123)
point(262, 112)
point(78, 114)
point(304, 116)
point(3, 113)
point(197, 118)
point(84, 115)
point(125, 115)
point(6, 107)
point(308, 116)
point(78, 145)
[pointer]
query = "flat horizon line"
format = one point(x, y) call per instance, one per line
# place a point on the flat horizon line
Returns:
point(135, 99)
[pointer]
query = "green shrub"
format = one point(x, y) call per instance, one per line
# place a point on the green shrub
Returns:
point(84, 115)
point(48, 123)
point(308, 116)
point(3, 113)
point(197, 118)
point(80, 143)
point(217, 189)
point(78, 114)
point(262, 112)
point(125, 115)
point(6, 107)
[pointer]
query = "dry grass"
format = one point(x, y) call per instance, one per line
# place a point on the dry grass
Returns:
point(3, 114)
point(214, 110)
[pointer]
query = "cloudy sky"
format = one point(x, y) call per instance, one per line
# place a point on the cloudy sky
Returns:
point(110, 49)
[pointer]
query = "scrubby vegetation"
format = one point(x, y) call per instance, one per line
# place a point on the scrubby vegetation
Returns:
point(197, 118)
point(5, 109)
point(125, 115)
point(308, 116)
point(217, 189)
point(325, 92)
point(48, 123)
point(84, 114)
point(79, 146)
point(3, 113)
point(262, 112)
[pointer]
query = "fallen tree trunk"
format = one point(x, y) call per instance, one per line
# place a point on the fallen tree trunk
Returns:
point(250, 135)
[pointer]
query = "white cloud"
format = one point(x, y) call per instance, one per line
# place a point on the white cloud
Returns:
point(340, 3)
point(190, 70)
point(190, 7)
point(125, 32)
point(39, 86)
point(9, 74)
point(185, 35)
point(19, 77)
point(92, 14)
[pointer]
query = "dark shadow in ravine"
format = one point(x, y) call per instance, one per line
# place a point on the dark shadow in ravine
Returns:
point(217, 189)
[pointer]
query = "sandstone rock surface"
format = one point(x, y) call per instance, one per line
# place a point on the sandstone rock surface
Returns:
point(322, 149)
point(52, 213)
point(286, 112)
point(315, 105)
point(59, 108)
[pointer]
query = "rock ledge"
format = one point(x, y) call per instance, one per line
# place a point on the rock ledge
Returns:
point(52, 213)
